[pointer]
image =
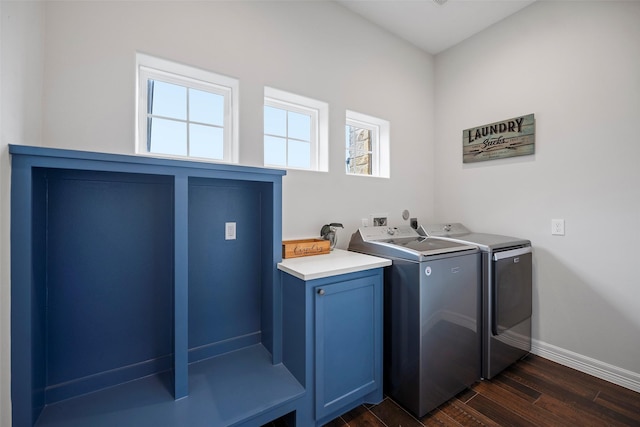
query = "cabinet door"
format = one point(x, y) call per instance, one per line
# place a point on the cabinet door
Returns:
point(348, 318)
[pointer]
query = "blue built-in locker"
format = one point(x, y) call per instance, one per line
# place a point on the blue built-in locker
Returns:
point(109, 257)
point(129, 306)
point(224, 281)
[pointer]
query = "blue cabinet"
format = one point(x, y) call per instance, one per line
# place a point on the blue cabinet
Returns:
point(129, 306)
point(348, 334)
point(332, 340)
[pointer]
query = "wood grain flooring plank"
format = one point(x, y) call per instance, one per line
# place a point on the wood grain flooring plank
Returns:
point(362, 417)
point(517, 405)
point(498, 412)
point(465, 415)
point(506, 413)
point(615, 393)
point(338, 422)
point(561, 379)
point(578, 379)
point(574, 377)
point(392, 414)
point(439, 418)
point(612, 403)
point(628, 408)
point(466, 395)
point(516, 388)
point(570, 415)
point(566, 395)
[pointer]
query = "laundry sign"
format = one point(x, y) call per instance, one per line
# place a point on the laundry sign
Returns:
point(508, 138)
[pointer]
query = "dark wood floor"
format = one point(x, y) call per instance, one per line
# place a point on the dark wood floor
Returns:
point(533, 392)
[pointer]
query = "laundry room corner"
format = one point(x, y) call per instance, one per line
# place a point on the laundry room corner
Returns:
point(581, 172)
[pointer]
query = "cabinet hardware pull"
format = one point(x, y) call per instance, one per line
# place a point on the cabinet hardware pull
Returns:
point(320, 291)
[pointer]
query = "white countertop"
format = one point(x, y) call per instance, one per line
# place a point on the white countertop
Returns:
point(336, 262)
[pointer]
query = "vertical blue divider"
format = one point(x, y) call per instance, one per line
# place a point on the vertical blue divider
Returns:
point(181, 288)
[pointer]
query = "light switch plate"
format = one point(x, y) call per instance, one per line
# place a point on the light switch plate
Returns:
point(230, 231)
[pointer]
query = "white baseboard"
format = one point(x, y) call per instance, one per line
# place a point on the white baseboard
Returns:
point(602, 370)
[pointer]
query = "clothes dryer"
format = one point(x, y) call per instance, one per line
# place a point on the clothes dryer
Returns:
point(506, 277)
point(431, 300)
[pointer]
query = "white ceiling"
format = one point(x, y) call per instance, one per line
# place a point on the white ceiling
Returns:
point(431, 26)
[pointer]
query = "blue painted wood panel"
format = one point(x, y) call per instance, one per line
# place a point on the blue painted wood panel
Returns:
point(224, 275)
point(110, 288)
point(181, 287)
point(271, 232)
point(348, 321)
point(39, 291)
point(241, 388)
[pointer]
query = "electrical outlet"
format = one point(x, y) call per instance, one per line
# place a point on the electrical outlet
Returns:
point(230, 231)
point(379, 219)
point(557, 227)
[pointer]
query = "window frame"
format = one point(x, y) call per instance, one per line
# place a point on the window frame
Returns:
point(149, 67)
point(319, 127)
point(380, 131)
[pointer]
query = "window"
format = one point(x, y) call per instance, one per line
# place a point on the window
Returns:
point(185, 112)
point(295, 131)
point(367, 145)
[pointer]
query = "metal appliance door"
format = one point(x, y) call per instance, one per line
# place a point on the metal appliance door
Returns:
point(512, 288)
point(449, 330)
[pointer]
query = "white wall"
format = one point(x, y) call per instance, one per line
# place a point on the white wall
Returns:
point(21, 27)
point(315, 49)
point(5, 287)
point(68, 81)
point(576, 65)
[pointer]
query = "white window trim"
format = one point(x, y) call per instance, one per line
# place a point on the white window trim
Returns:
point(172, 72)
point(320, 132)
point(381, 134)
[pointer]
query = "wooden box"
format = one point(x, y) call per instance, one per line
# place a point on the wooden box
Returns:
point(304, 247)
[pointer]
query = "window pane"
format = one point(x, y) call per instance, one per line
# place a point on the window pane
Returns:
point(275, 151)
point(206, 107)
point(206, 141)
point(300, 126)
point(275, 121)
point(167, 137)
point(359, 155)
point(299, 153)
point(168, 100)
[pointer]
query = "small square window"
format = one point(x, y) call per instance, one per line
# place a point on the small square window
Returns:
point(295, 131)
point(185, 112)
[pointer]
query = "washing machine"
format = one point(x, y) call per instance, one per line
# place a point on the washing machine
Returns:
point(506, 277)
point(431, 310)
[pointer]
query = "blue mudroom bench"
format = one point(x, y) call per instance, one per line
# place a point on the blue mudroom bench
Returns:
point(129, 304)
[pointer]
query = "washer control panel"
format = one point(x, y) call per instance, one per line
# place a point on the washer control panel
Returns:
point(384, 232)
point(448, 229)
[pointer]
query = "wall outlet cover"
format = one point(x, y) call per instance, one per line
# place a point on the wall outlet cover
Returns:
point(379, 219)
point(557, 227)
